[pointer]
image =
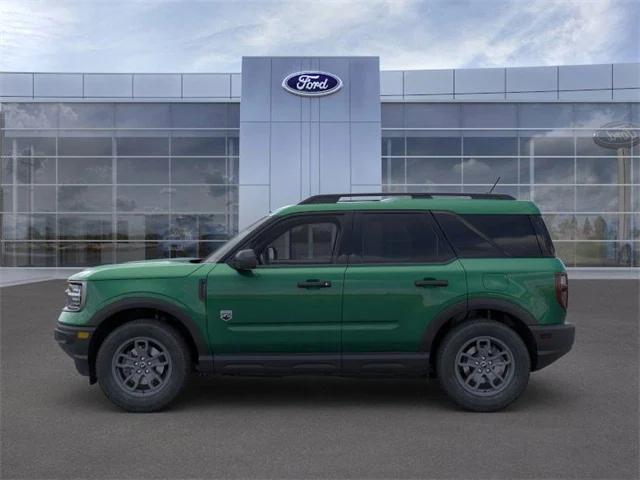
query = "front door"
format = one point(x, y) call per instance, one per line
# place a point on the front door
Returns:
point(401, 275)
point(290, 304)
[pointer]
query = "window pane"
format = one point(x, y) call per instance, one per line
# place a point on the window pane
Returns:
point(86, 115)
point(31, 254)
point(143, 146)
point(597, 115)
point(554, 199)
point(143, 199)
point(85, 170)
point(143, 170)
point(200, 227)
point(401, 238)
point(603, 254)
point(203, 199)
point(85, 227)
point(546, 146)
point(430, 145)
point(36, 170)
point(28, 227)
point(22, 144)
point(30, 115)
point(85, 254)
point(142, 115)
point(598, 199)
point(487, 170)
point(599, 170)
point(86, 146)
point(199, 170)
point(434, 170)
point(553, 170)
point(488, 146)
point(561, 227)
point(429, 115)
point(306, 243)
point(84, 199)
point(489, 116)
point(392, 144)
point(199, 115)
point(393, 170)
point(36, 199)
point(142, 227)
point(198, 145)
point(6, 171)
point(545, 115)
point(603, 227)
point(392, 115)
point(130, 251)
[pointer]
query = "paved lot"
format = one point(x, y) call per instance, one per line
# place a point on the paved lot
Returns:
point(578, 418)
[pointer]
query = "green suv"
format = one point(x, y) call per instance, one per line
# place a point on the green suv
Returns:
point(463, 287)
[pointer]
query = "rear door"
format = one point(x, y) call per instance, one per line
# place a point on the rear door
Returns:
point(401, 274)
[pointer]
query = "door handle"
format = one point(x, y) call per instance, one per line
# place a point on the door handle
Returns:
point(314, 284)
point(432, 282)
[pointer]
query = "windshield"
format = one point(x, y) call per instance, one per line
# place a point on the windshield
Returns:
point(234, 241)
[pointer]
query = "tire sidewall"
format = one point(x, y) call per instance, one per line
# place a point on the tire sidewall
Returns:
point(446, 365)
point(176, 349)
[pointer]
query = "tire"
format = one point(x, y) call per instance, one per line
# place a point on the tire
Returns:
point(501, 355)
point(143, 365)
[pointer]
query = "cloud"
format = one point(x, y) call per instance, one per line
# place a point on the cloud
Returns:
point(213, 35)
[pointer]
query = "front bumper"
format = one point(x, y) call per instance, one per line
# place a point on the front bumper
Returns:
point(553, 341)
point(75, 342)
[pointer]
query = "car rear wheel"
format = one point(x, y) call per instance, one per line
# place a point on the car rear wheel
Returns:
point(483, 365)
point(143, 365)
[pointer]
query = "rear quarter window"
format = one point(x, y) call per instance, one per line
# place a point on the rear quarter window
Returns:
point(491, 236)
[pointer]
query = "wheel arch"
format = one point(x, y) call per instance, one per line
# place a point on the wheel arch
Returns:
point(502, 311)
point(129, 309)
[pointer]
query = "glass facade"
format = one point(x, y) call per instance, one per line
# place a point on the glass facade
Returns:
point(93, 183)
point(545, 152)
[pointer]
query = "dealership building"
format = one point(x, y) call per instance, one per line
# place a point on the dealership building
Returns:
point(114, 167)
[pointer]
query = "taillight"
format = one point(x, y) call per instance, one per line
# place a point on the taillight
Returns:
point(562, 289)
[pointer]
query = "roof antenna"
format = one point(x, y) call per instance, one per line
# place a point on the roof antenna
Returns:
point(494, 185)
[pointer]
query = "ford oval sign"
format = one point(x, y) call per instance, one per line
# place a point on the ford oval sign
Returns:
point(617, 135)
point(312, 84)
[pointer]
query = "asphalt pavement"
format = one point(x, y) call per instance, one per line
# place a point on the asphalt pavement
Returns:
point(577, 419)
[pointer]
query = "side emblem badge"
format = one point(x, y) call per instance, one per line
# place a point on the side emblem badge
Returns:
point(226, 315)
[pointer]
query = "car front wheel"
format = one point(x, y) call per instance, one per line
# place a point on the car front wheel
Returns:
point(143, 365)
point(483, 365)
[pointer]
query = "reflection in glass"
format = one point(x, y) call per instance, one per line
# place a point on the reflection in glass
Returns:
point(143, 146)
point(199, 170)
point(598, 170)
point(434, 170)
point(553, 170)
point(85, 170)
point(203, 199)
point(561, 227)
point(490, 146)
point(29, 254)
point(198, 145)
point(36, 199)
point(393, 171)
point(85, 146)
point(553, 199)
point(85, 227)
point(85, 199)
point(143, 199)
point(35, 170)
point(430, 145)
point(85, 254)
point(487, 170)
point(86, 115)
point(23, 144)
point(142, 227)
point(603, 254)
point(143, 170)
point(597, 199)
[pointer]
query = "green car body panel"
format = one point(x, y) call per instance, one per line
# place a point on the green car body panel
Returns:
point(374, 309)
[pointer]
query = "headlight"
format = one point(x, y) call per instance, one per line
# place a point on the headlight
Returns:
point(75, 294)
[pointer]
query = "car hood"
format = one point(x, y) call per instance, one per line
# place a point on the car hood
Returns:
point(165, 268)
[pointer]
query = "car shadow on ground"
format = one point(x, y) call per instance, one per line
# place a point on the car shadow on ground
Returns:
point(212, 392)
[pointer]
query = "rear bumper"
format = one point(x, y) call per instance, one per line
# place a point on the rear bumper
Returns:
point(553, 341)
point(75, 346)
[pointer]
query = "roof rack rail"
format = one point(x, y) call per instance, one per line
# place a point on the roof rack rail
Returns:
point(335, 197)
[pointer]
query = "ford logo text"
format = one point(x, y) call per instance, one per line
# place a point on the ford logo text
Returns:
point(312, 84)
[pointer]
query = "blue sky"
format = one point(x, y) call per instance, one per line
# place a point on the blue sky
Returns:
point(212, 36)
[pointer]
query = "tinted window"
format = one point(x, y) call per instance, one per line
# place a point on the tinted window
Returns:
point(302, 243)
point(401, 238)
point(475, 236)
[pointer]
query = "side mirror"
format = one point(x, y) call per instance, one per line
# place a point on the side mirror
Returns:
point(244, 260)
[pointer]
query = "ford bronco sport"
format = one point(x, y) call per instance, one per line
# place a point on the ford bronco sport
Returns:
point(463, 287)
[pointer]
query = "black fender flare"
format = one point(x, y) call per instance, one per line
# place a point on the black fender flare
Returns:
point(462, 309)
point(205, 359)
